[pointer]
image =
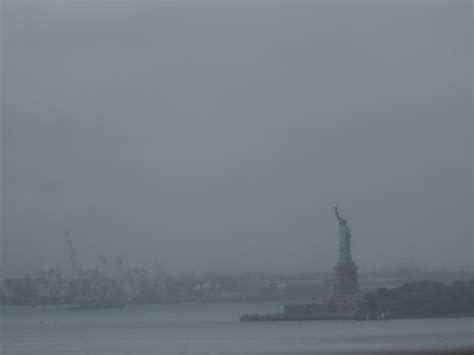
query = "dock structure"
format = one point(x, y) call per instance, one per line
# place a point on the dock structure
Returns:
point(307, 312)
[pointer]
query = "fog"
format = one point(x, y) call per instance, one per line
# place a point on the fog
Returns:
point(218, 137)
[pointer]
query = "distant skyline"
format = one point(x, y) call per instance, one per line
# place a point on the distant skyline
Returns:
point(218, 137)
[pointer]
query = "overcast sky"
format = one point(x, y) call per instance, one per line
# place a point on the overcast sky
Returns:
point(199, 136)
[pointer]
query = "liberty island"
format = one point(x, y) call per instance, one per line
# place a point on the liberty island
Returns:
point(343, 304)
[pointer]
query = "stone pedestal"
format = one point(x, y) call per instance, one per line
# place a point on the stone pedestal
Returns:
point(346, 279)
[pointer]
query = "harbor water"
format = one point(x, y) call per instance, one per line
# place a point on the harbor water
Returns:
point(201, 328)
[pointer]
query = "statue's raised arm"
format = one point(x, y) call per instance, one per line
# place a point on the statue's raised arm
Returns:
point(337, 214)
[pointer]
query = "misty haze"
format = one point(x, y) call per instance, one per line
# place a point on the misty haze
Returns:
point(183, 160)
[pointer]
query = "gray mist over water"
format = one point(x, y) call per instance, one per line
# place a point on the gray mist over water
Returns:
point(202, 136)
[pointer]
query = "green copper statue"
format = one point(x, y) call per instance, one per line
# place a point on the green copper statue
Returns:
point(345, 256)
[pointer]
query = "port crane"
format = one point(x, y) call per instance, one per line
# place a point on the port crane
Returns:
point(76, 266)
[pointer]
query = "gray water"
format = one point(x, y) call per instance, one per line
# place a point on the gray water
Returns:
point(214, 329)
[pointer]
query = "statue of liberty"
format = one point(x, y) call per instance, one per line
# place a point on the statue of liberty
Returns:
point(345, 256)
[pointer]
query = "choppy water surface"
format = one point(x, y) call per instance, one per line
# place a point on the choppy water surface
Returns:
point(213, 329)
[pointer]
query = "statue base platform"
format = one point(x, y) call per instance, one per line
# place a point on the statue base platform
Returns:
point(346, 279)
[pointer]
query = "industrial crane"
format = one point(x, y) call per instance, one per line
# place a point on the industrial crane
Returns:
point(76, 266)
